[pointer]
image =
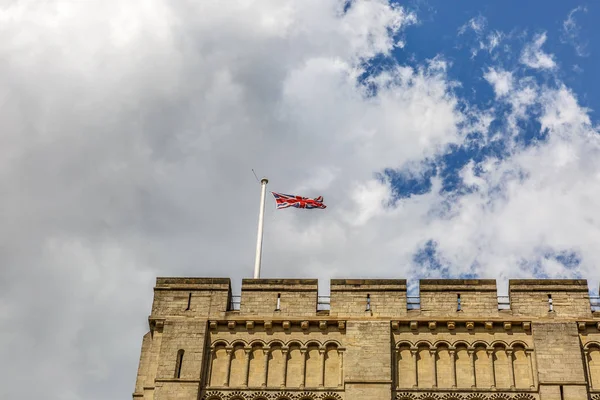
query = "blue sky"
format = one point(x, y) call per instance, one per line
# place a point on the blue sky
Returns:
point(448, 138)
point(461, 35)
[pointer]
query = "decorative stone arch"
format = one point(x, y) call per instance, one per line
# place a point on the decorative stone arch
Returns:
point(480, 343)
point(284, 396)
point(451, 396)
point(592, 344)
point(405, 396)
point(500, 343)
point(236, 396)
point(314, 342)
point(424, 343)
point(523, 396)
point(518, 343)
point(331, 342)
point(305, 396)
point(500, 396)
point(220, 342)
point(212, 395)
point(429, 396)
point(330, 396)
point(239, 343)
point(404, 343)
point(276, 343)
point(260, 396)
point(443, 343)
point(257, 342)
point(461, 343)
point(596, 397)
point(295, 342)
point(476, 396)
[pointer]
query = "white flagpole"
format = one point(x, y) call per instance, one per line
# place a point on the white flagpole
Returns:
point(261, 219)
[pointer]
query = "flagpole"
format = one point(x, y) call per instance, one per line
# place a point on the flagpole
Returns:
point(261, 219)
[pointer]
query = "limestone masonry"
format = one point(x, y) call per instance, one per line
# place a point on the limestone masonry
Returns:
point(457, 341)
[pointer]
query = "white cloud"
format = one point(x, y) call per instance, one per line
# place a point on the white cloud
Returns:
point(501, 80)
point(534, 57)
point(476, 24)
point(571, 32)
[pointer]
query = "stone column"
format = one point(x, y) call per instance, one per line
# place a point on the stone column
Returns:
point(284, 352)
point(266, 370)
point(322, 374)
point(433, 354)
point(303, 367)
point(247, 352)
point(471, 353)
point(511, 367)
point(211, 359)
point(586, 355)
point(228, 365)
point(413, 353)
point(490, 353)
point(341, 357)
point(452, 353)
point(532, 367)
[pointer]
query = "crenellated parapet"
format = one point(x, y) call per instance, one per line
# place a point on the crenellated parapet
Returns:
point(455, 339)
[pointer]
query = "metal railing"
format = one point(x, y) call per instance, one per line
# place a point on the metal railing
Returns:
point(413, 303)
point(323, 303)
point(503, 303)
point(595, 303)
point(234, 303)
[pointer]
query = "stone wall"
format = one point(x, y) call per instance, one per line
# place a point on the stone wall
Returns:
point(457, 346)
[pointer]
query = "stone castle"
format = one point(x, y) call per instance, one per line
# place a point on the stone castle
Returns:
point(369, 340)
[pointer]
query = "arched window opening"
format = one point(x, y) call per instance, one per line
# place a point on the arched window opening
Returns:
point(550, 304)
point(178, 364)
point(458, 303)
point(278, 306)
point(368, 303)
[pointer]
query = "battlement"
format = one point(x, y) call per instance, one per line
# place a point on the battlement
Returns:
point(455, 339)
point(386, 298)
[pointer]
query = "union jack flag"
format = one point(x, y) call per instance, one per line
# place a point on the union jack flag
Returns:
point(287, 200)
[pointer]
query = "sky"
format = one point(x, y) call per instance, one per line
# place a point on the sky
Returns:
point(448, 139)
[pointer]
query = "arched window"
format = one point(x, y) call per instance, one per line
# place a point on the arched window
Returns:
point(178, 363)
